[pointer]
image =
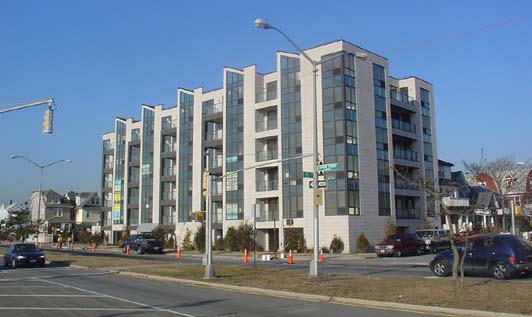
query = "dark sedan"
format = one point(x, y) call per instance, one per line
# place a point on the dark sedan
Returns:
point(23, 254)
point(501, 255)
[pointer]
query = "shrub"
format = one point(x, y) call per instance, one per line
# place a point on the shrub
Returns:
point(293, 240)
point(219, 244)
point(186, 244)
point(170, 243)
point(199, 238)
point(324, 249)
point(159, 233)
point(230, 242)
point(260, 248)
point(244, 236)
point(390, 228)
point(337, 245)
point(362, 243)
point(84, 236)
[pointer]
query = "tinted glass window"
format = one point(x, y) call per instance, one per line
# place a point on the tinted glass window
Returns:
point(146, 236)
point(517, 243)
point(25, 248)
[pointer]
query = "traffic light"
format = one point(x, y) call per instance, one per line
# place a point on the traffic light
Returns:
point(204, 183)
point(47, 122)
point(318, 171)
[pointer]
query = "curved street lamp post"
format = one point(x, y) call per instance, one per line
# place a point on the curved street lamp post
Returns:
point(41, 168)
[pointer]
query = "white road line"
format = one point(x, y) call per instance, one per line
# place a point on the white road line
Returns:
point(31, 286)
point(117, 298)
point(80, 309)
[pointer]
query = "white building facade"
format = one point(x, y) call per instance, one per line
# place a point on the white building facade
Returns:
point(258, 130)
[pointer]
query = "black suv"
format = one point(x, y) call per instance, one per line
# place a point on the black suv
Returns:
point(501, 255)
point(143, 242)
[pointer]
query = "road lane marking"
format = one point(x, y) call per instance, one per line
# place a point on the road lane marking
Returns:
point(47, 295)
point(117, 298)
point(81, 309)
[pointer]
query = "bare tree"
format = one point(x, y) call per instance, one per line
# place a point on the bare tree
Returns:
point(508, 176)
point(433, 195)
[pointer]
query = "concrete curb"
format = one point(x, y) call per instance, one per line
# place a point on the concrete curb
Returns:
point(332, 299)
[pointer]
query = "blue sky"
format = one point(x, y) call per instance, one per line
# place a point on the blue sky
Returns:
point(101, 59)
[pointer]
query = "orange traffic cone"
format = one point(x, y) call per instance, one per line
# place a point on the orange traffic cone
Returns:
point(178, 252)
point(40, 246)
point(72, 247)
point(322, 258)
point(127, 250)
point(245, 259)
point(93, 249)
point(290, 259)
point(57, 246)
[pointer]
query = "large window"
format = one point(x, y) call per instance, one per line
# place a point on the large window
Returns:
point(381, 132)
point(292, 177)
point(186, 120)
point(146, 205)
point(235, 145)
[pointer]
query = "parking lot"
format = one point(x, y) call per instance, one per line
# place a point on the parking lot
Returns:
point(37, 291)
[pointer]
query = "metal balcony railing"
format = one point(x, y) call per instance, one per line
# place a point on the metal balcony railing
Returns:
point(402, 213)
point(406, 184)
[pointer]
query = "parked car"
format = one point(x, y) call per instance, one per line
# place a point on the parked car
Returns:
point(23, 254)
point(400, 244)
point(501, 255)
point(143, 242)
point(436, 240)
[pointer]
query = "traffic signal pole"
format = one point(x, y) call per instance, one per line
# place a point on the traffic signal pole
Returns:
point(47, 123)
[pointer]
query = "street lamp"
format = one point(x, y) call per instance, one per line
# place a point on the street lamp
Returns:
point(261, 24)
point(41, 167)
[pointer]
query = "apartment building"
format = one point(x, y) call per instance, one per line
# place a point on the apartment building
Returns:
point(255, 136)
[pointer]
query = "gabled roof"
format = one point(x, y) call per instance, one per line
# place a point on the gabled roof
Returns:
point(85, 198)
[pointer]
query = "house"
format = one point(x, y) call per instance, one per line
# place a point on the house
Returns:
point(87, 210)
point(54, 210)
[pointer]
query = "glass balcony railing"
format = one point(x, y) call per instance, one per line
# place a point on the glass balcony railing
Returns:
point(216, 161)
point(215, 108)
point(403, 125)
point(133, 200)
point(167, 220)
point(168, 195)
point(265, 96)
point(108, 146)
point(403, 154)
point(169, 171)
point(267, 185)
point(134, 158)
point(169, 147)
point(266, 125)
point(266, 155)
point(407, 213)
point(268, 215)
point(108, 184)
point(402, 98)
point(108, 203)
point(169, 124)
point(214, 135)
point(405, 184)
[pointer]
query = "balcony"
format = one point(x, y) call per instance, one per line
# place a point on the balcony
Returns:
point(411, 213)
point(266, 155)
point(167, 220)
point(108, 165)
point(265, 96)
point(168, 196)
point(169, 124)
point(267, 185)
point(268, 215)
point(265, 125)
point(108, 184)
point(216, 161)
point(169, 171)
point(455, 202)
point(404, 154)
point(215, 135)
point(212, 109)
point(403, 126)
point(401, 99)
point(406, 184)
point(108, 203)
point(170, 147)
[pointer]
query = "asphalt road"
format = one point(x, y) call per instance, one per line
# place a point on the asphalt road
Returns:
point(64, 291)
